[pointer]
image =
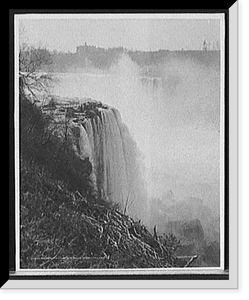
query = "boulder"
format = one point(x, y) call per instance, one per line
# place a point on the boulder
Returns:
point(191, 230)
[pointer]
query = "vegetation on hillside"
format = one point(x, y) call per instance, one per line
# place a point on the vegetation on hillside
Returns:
point(63, 223)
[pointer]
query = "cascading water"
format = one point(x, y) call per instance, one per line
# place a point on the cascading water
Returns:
point(106, 141)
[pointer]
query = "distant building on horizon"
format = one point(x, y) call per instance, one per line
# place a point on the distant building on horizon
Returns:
point(82, 49)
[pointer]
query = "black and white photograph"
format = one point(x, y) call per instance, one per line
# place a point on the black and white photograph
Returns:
point(120, 138)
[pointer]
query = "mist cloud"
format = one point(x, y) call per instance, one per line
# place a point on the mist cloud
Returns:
point(173, 117)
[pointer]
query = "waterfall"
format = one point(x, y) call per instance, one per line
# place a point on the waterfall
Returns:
point(115, 158)
point(84, 144)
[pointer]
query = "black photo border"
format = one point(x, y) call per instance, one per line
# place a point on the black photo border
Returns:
point(12, 241)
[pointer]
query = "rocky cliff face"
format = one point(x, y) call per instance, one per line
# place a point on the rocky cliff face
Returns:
point(104, 143)
point(63, 225)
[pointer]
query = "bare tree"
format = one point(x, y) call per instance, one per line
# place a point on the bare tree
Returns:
point(33, 62)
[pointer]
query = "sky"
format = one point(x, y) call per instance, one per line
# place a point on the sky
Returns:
point(131, 32)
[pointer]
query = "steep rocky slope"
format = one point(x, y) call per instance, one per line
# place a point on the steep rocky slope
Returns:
point(63, 223)
point(61, 229)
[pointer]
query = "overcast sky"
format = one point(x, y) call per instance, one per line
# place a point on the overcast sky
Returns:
point(135, 33)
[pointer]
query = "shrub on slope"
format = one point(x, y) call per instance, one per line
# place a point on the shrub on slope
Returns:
point(60, 229)
point(40, 144)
